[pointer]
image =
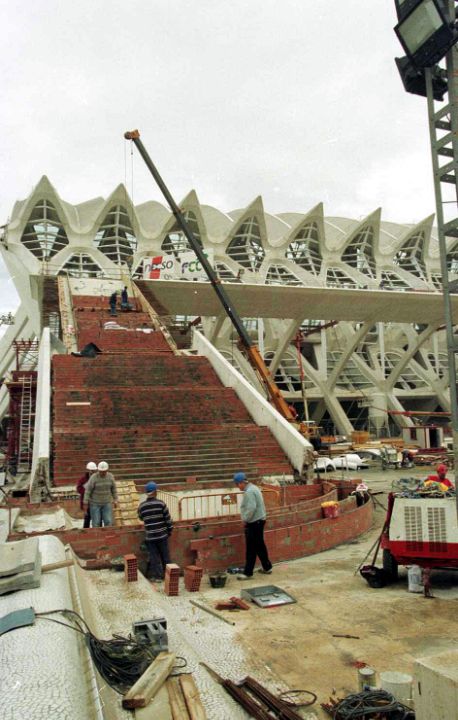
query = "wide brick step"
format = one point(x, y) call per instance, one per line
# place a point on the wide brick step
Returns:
point(223, 475)
point(128, 341)
point(125, 407)
point(176, 463)
point(130, 370)
point(97, 302)
point(87, 319)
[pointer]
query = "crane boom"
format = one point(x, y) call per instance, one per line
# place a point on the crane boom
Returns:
point(250, 348)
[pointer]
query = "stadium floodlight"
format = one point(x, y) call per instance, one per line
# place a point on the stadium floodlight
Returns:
point(425, 31)
point(414, 80)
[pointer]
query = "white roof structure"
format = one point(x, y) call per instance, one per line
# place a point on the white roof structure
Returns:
point(376, 285)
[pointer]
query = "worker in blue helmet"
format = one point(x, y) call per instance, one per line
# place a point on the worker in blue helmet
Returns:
point(158, 528)
point(253, 514)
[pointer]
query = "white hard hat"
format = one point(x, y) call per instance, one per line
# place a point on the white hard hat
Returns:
point(102, 466)
point(91, 466)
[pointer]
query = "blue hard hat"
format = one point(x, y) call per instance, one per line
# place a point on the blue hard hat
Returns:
point(239, 477)
point(150, 487)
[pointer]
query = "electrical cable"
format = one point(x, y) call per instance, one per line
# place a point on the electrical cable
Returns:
point(288, 695)
point(369, 703)
point(120, 660)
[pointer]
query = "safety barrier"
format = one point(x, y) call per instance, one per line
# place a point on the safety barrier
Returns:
point(222, 503)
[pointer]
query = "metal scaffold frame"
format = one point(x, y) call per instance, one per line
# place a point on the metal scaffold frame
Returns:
point(443, 129)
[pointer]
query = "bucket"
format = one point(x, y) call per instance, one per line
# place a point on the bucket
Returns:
point(398, 684)
point(366, 677)
point(218, 581)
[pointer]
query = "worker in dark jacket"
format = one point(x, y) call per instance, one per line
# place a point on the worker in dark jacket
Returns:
point(91, 467)
point(253, 514)
point(112, 302)
point(125, 304)
point(158, 528)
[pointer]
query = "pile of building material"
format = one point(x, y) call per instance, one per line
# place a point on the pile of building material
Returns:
point(20, 565)
point(128, 500)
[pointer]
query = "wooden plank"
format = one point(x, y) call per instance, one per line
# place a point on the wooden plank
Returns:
point(158, 709)
point(149, 683)
point(177, 701)
point(192, 698)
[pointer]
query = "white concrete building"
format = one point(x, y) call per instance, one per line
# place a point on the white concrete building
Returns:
point(366, 294)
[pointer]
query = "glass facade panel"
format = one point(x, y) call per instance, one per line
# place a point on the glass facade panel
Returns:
point(410, 256)
point(335, 277)
point(246, 247)
point(81, 265)
point(44, 234)
point(176, 242)
point(359, 252)
point(304, 250)
point(115, 237)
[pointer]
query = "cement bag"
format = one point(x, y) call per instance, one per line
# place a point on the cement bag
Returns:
point(414, 579)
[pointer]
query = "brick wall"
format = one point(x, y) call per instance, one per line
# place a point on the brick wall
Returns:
point(220, 543)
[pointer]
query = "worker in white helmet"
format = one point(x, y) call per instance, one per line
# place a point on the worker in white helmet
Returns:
point(91, 467)
point(101, 495)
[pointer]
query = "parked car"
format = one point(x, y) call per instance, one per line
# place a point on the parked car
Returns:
point(324, 464)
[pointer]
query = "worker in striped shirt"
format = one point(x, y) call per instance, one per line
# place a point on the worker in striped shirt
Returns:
point(158, 528)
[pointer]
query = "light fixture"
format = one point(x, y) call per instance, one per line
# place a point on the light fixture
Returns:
point(425, 31)
point(414, 81)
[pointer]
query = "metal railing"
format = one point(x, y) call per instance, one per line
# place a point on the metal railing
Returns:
point(222, 503)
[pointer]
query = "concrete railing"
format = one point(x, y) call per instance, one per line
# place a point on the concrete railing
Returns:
point(39, 475)
point(295, 447)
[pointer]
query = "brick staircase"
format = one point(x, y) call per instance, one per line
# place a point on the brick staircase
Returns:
point(151, 414)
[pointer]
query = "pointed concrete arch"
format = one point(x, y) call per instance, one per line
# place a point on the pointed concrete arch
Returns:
point(253, 226)
point(172, 240)
point(366, 235)
point(410, 253)
point(116, 230)
point(43, 190)
point(297, 250)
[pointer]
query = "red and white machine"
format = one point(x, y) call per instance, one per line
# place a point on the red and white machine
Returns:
point(420, 531)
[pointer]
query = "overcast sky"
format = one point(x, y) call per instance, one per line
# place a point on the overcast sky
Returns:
point(295, 100)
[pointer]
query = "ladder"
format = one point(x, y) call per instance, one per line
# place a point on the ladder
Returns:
point(443, 132)
point(24, 462)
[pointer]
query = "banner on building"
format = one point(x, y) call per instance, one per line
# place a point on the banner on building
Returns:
point(191, 269)
point(168, 267)
point(161, 267)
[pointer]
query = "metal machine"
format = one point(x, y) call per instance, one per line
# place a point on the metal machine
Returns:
point(420, 530)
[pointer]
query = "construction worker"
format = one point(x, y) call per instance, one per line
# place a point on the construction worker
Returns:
point(253, 514)
point(158, 528)
point(112, 302)
point(441, 476)
point(91, 467)
point(101, 495)
point(125, 304)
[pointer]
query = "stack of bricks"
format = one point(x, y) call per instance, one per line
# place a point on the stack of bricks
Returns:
point(172, 578)
point(130, 568)
point(192, 577)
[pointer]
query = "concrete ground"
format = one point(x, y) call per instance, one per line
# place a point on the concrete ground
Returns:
point(393, 627)
point(293, 646)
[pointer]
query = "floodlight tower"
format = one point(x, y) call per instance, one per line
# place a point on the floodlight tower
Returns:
point(427, 30)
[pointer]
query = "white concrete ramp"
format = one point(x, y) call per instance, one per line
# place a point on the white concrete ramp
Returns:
point(43, 675)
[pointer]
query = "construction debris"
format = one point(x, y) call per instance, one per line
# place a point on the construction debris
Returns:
point(149, 683)
point(255, 698)
point(212, 612)
point(234, 603)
